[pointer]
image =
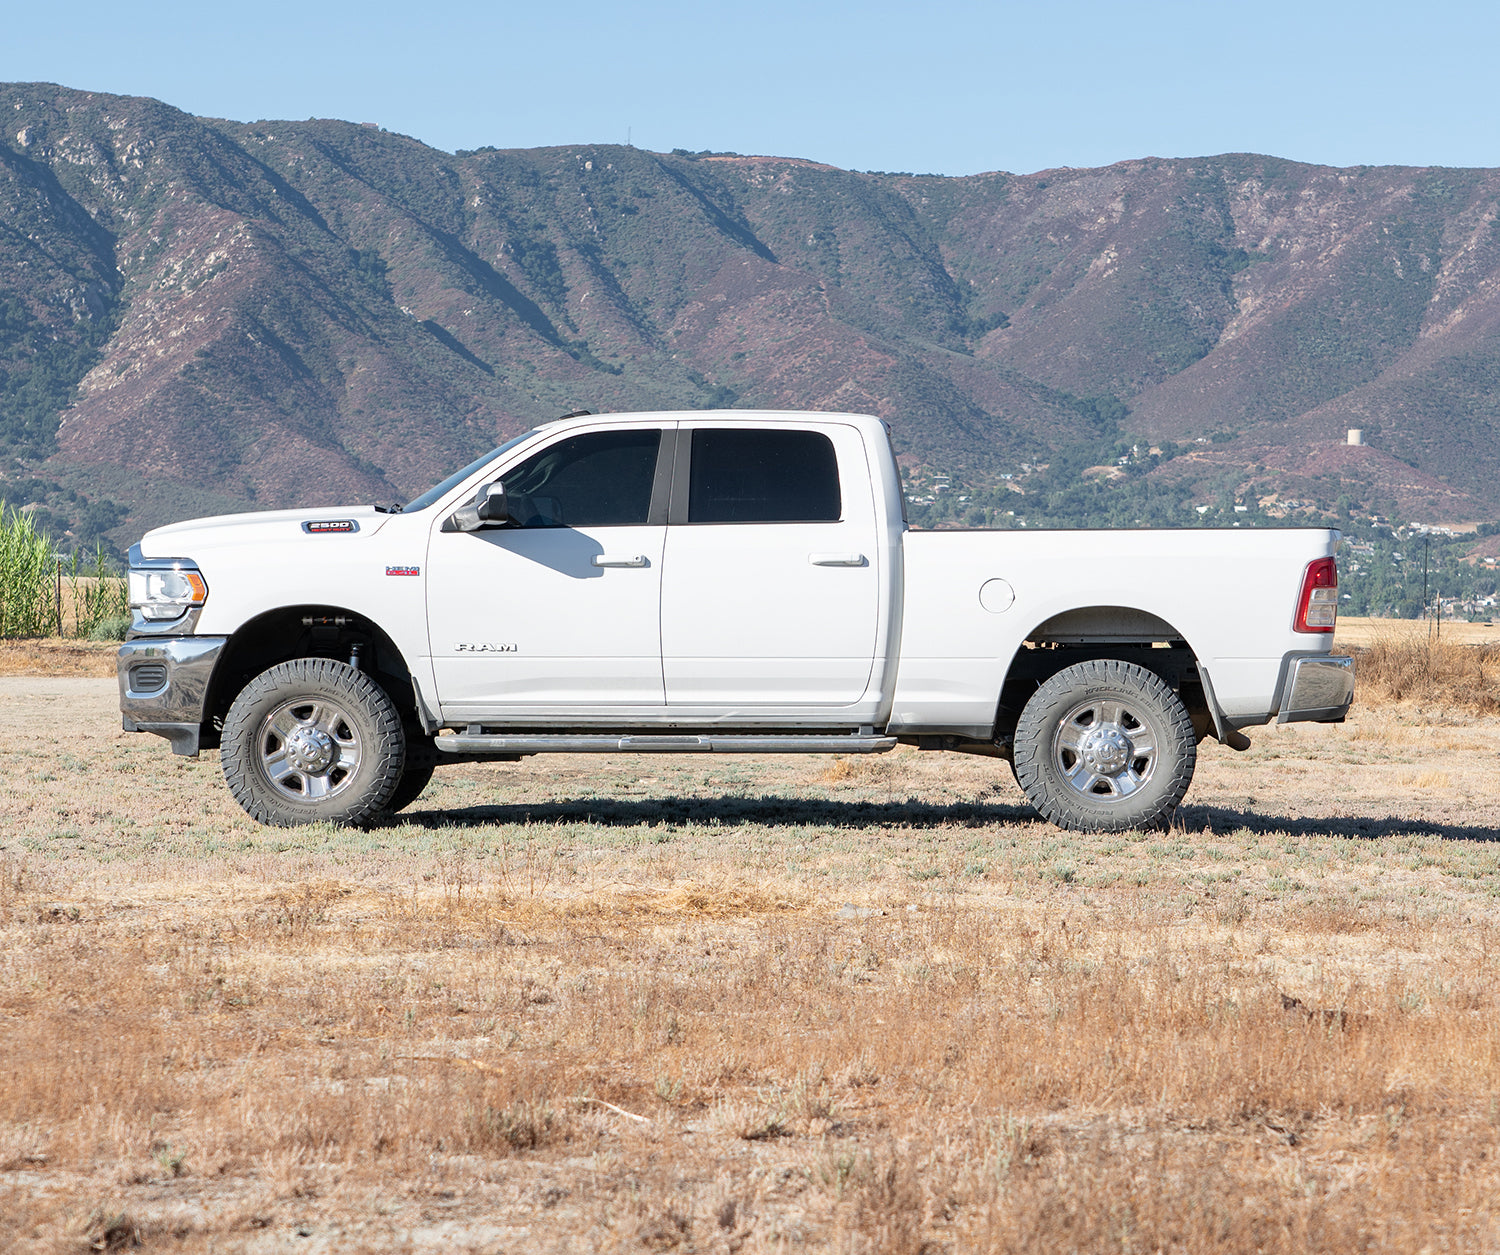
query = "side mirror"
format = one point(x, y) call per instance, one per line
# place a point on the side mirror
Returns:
point(490, 504)
point(488, 509)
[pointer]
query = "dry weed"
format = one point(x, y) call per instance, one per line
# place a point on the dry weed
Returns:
point(1426, 779)
point(1405, 668)
point(865, 770)
point(55, 656)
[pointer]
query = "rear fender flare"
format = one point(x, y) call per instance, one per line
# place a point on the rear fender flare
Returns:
point(1126, 633)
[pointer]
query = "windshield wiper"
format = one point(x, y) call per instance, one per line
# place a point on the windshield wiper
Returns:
point(389, 509)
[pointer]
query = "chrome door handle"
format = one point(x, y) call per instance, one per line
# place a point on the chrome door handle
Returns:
point(837, 559)
point(619, 559)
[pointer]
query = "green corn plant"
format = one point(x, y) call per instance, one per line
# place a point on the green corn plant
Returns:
point(26, 577)
point(100, 597)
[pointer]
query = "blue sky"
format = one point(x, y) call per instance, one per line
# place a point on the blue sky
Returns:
point(948, 87)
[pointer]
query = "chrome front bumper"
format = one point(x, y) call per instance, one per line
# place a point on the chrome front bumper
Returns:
point(1318, 688)
point(164, 687)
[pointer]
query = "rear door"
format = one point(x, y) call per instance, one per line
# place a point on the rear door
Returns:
point(770, 580)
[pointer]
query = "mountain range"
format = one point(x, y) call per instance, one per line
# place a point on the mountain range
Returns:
point(200, 315)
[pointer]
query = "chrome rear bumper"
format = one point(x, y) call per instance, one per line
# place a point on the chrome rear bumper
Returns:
point(1318, 688)
point(164, 687)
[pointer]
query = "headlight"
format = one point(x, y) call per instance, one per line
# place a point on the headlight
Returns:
point(166, 588)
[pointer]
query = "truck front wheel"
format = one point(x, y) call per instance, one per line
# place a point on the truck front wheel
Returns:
point(313, 740)
point(421, 762)
point(1104, 746)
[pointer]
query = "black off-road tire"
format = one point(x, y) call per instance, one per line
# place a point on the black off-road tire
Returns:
point(1104, 746)
point(421, 762)
point(284, 782)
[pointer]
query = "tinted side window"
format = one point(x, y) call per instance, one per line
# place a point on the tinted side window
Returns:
point(594, 480)
point(764, 476)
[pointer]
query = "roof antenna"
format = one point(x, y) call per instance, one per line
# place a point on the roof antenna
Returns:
point(576, 414)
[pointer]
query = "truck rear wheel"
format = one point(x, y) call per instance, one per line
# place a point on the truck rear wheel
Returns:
point(313, 740)
point(1104, 746)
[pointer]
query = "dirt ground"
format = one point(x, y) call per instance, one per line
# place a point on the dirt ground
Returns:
point(750, 1004)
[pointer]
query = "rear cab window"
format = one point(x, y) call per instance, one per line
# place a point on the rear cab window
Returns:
point(759, 475)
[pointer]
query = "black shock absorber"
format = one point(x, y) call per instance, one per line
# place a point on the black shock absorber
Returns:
point(357, 655)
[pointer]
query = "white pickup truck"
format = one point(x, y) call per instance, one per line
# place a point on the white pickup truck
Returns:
point(714, 581)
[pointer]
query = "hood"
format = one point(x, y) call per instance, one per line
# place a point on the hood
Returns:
point(177, 540)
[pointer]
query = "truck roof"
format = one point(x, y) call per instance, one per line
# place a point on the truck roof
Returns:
point(775, 416)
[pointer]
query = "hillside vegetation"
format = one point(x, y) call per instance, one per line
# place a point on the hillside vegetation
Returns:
point(202, 315)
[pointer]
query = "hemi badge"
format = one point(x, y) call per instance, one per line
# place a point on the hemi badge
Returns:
point(403, 570)
point(317, 526)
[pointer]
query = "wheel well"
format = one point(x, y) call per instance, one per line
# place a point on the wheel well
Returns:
point(305, 632)
point(1118, 632)
point(1104, 625)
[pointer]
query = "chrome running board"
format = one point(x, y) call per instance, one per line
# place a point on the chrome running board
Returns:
point(475, 741)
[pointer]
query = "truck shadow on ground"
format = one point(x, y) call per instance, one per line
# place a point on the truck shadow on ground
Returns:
point(1223, 821)
point(735, 810)
point(730, 810)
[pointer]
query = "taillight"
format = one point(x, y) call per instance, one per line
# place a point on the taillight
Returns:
point(1318, 603)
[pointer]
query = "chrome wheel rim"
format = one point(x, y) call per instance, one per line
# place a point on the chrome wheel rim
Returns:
point(309, 749)
point(1106, 749)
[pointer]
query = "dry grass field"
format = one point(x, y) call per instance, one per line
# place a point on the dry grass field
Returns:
point(54, 656)
point(739, 1004)
point(1359, 633)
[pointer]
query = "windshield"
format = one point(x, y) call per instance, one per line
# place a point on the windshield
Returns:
point(458, 477)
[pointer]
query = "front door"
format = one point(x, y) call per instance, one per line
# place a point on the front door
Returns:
point(558, 609)
point(771, 586)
